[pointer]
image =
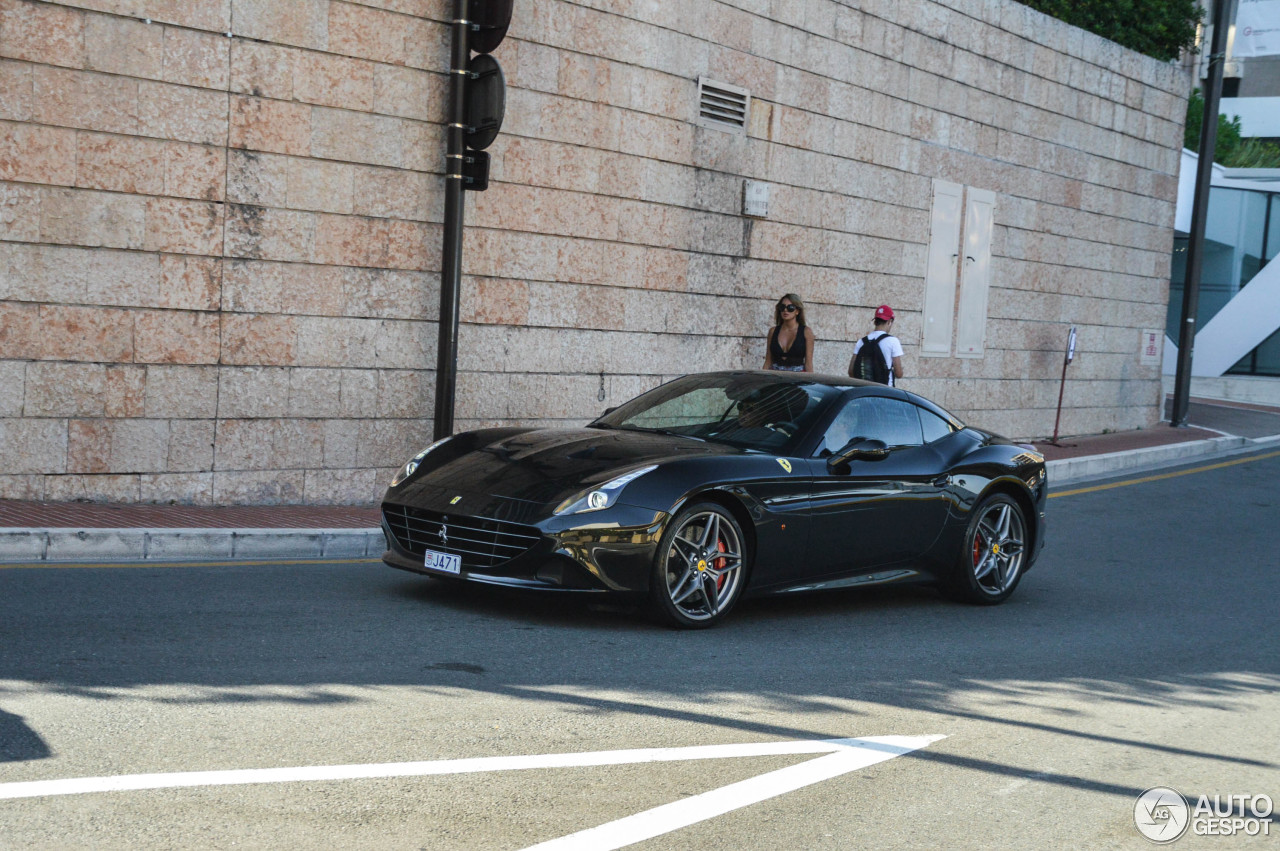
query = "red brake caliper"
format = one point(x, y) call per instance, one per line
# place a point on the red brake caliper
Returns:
point(977, 548)
point(720, 564)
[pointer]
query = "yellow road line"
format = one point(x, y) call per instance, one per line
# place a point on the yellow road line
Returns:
point(1166, 475)
point(224, 563)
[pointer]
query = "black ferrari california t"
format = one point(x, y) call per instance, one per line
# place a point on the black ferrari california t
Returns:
point(718, 485)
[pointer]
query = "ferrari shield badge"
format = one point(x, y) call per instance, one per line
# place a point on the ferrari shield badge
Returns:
point(786, 465)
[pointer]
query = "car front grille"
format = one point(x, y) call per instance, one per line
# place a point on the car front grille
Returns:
point(481, 543)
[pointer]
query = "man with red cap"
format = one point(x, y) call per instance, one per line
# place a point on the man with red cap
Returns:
point(882, 360)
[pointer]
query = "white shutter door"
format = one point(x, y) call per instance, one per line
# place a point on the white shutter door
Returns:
point(940, 276)
point(975, 277)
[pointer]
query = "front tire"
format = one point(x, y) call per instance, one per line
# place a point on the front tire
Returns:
point(699, 572)
point(994, 552)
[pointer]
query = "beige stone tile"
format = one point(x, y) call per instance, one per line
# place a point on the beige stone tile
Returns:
point(368, 33)
point(328, 80)
point(409, 93)
point(198, 59)
point(183, 113)
point(253, 392)
point(315, 392)
point(36, 154)
point(259, 340)
point(95, 335)
point(313, 290)
point(30, 446)
point(27, 487)
point(12, 387)
point(17, 91)
point(42, 32)
point(124, 46)
point(119, 163)
point(176, 488)
point(320, 185)
point(269, 234)
point(86, 100)
point(252, 286)
point(257, 178)
point(337, 134)
point(269, 487)
point(262, 70)
point(333, 341)
point(275, 126)
point(296, 443)
point(125, 391)
point(180, 226)
point(212, 15)
point(65, 390)
point(195, 171)
point(190, 445)
point(100, 488)
point(19, 214)
point(176, 336)
point(245, 445)
point(391, 293)
point(304, 23)
point(359, 392)
point(404, 345)
point(181, 392)
point(405, 393)
point(344, 487)
point(190, 283)
point(341, 442)
point(392, 193)
point(88, 446)
point(496, 302)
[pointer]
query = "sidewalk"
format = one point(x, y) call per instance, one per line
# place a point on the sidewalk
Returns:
point(32, 532)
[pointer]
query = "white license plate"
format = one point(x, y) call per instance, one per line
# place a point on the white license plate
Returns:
point(443, 561)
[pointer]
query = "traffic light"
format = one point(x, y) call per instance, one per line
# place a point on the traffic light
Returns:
point(485, 100)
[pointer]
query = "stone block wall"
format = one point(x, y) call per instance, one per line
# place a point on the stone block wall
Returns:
point(220, 222)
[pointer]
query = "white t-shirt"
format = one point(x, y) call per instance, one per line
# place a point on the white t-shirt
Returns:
point(890, 348)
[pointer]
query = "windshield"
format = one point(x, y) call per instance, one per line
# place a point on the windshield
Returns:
point(751, 410)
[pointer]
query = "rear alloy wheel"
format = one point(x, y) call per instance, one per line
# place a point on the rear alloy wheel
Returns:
point(995, 551)
point(700, 569)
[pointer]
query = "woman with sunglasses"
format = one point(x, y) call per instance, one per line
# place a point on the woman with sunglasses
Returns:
point(790, 343)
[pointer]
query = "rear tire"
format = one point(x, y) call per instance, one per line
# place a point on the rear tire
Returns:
point(700, 568)
point(994, 553)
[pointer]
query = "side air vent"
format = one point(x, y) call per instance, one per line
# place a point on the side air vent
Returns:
point(722, 106)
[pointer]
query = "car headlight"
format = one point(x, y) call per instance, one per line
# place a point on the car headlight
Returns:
point(602, 496)
point(408, 469)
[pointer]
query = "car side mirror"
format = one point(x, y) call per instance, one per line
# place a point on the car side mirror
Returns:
point(608, 411)
point(868, 448)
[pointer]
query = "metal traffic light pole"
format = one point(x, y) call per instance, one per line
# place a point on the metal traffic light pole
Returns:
point(1199, 212)
point(454, 195)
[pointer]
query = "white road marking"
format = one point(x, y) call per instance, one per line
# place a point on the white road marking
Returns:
point(871, 750)
point(851, 755)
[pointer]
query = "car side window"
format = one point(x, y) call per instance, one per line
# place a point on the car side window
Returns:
point(934, 426)
point(875, 417)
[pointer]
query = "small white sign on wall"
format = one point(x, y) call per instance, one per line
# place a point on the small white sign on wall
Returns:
point(1151, 348)
point(755, 199)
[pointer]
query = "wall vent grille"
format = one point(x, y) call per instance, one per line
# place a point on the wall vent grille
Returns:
point(722, 106)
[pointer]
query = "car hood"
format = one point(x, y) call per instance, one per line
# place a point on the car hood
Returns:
point(540, 467)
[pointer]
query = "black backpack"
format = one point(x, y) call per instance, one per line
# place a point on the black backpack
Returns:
point(868, 363)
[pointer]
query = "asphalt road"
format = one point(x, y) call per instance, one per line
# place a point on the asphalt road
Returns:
point(1141, 651)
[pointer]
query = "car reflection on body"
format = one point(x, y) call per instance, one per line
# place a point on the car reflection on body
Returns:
point(718, 485)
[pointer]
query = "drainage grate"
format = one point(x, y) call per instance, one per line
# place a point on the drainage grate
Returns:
point(722, 106)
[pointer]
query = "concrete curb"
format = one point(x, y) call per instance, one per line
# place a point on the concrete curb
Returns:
point(1069, 470)
point(27, 546)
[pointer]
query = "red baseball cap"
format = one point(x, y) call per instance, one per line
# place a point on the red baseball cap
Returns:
point(885, 312)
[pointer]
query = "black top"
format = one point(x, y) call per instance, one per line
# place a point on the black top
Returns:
point(793, 356)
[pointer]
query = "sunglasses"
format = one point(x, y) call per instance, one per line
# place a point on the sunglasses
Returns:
point(788, 308)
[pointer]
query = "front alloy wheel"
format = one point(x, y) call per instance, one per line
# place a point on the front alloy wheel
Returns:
point(699, 570)
point(995, 552)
